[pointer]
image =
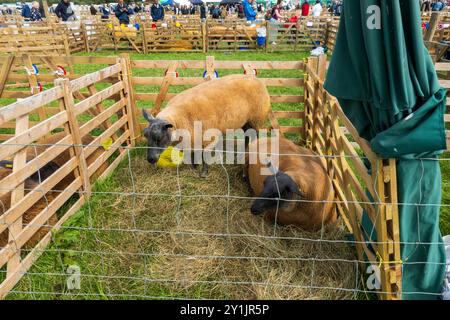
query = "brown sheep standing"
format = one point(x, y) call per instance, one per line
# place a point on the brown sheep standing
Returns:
point(231, 102)
point(33, 182)
point(296, 178)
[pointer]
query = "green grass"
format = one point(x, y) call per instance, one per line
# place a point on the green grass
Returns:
point(72, 245)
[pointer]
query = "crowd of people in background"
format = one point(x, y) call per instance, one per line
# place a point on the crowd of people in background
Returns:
point(247, 9)
point(433, 5)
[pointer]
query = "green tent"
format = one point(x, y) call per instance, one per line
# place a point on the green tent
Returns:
point(386, 83)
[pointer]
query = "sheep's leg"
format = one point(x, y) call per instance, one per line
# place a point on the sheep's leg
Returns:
point(204, 172)
point(247, 182)
point(192, 158)
point(244, 176)
point(246, 127)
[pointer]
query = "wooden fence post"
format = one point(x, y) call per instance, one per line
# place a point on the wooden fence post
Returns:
point(204, 37)
point(131, 102)
point(387, 227)
point(320, 65)
point(17, 194)
point(209, 67)
point(66, 45)
point(311, 66)
point(167, 81)
point(305, 98)
point(85, 36)
point(74, 129)
point(144, 38)
point(4, 72)
point(266, 45)
point(34, 84)
point(434, 21)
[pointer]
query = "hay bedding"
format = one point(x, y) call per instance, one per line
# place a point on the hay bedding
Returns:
point(184, 264)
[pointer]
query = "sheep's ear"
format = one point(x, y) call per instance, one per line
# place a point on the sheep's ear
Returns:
point(272, 168)
point(167, 126)
point(147, 116)
point(292, 187)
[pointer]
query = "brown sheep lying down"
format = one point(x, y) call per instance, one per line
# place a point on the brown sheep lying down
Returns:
point(296, 178)
point(231, 102)
point(36, 178)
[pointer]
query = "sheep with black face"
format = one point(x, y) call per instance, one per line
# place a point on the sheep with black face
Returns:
point(231, 102)
point(298, 191)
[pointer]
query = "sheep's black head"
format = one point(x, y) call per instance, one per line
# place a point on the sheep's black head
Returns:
point(277, 188)
point(158, 137)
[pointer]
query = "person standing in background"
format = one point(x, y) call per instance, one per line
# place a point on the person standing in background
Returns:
point(275, 19)
point(276, 12)
point(157, 11)
point(317, 9)
point(93, 10)
point(305, 8)
point(250, 14)
point(203, 12)
point(437, 6)
point(64, 11)
point(131, 7)
point(122, 13)
point(106, 11)
point(26, 12)
point(35, 14)
point(426, 5)
point(137, 8)
point(240, 11)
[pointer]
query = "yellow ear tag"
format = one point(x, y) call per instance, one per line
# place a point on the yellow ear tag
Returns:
point(170, 158)
point(177, 24)
point(107, 144)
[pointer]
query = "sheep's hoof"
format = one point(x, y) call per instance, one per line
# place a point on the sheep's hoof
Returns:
point(204, 172)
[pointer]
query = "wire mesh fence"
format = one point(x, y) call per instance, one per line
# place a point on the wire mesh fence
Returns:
point(152, 233)
point(147, 232)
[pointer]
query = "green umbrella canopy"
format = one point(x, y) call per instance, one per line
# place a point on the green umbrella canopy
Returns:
point(386, 84)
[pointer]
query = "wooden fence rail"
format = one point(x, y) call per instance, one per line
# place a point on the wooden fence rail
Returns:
point(188, 33)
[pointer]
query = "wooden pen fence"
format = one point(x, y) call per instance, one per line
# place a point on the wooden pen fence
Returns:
point(167, 36)
point(330, 133)
point(57, 110)
point(103, 102)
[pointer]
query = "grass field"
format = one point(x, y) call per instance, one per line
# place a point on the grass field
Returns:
point(138, 238)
